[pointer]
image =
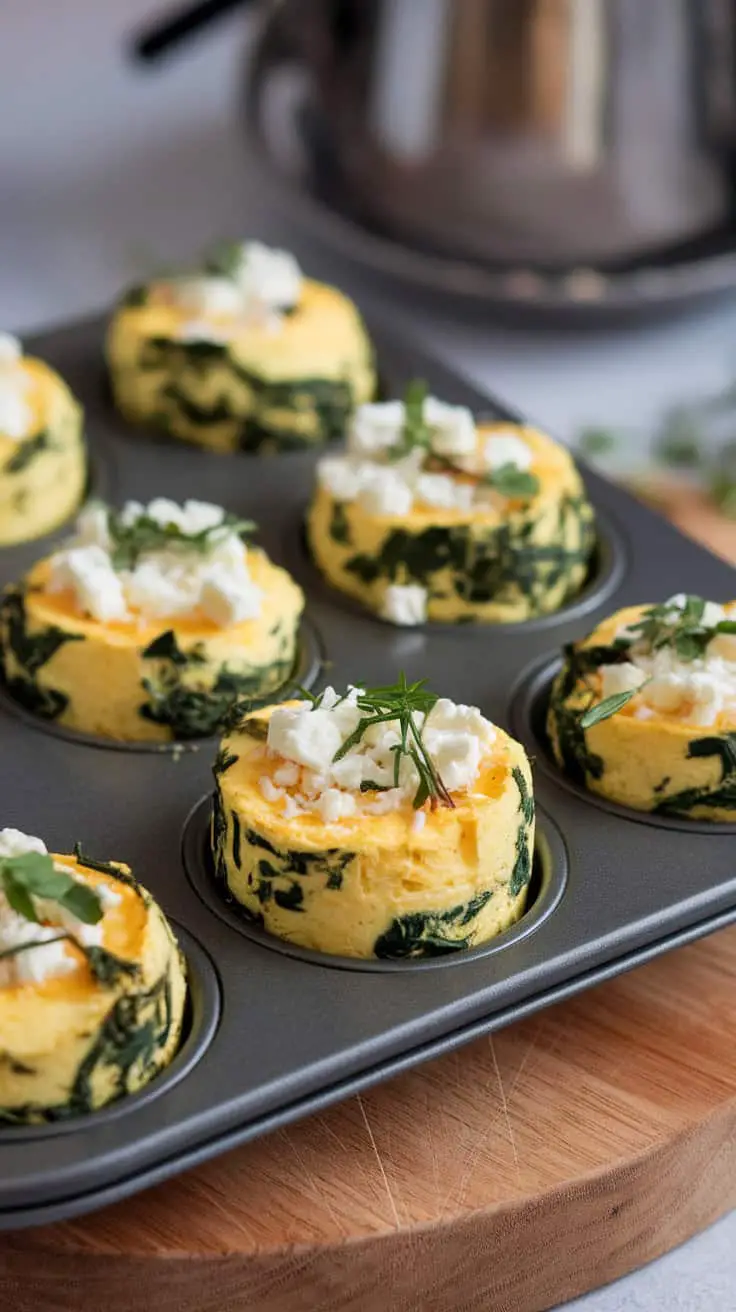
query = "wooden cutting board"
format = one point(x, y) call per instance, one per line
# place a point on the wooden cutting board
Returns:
point(516, 1173)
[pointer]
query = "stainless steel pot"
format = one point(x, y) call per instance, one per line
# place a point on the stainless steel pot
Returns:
point(554, 132)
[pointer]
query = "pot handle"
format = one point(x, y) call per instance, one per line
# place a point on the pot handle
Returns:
point(164, 35)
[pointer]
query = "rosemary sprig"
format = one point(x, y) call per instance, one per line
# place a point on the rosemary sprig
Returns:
point(400, 702)
point(33, 874)
point(144, 535)
point(608, 707)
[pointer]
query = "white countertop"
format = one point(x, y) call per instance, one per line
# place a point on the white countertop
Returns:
point(104, 169)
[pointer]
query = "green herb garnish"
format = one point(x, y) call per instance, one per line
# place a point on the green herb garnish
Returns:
point(680, 628)
point(33, 874)
point(596, 441)
point(511, 481)
point(400, 702)
point(417, 434)
point(605, 709)
point(144, 535)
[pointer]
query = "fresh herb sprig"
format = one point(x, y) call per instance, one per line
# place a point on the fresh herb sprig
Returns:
point(608, 707)
point(33, 874)
point(130, 541)
point(401, 702)
point(416, 435)
point(682, 629)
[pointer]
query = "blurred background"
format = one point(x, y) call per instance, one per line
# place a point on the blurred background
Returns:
point(541, 188)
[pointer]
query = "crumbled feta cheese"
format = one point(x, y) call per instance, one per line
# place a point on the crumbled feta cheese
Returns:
point(723, 646)
point(203, 330)
point(268, 275)
point(16, 416)
point(174, 579)
point(89, 572)
point(227, 598)
point(456, 755)
point(405, 603)
point(35, 964)
point(208, 295)
point(263, 283)
point(698, 691)
point(342, 478)
point(620, 678)
point(443, 491)
point(457, 738)
point(268, 789)
point(13, 842)
point(335, 805)
point(11, 349)
point(386, 493)
point(375, 427)
point(311, 738)
point(453, 428)
point(507, 449)
point(419, 821)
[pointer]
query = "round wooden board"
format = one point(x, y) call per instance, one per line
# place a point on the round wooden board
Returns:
point(511, 1175)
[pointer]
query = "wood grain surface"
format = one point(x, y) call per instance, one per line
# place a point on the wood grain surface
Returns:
point(512, 1175)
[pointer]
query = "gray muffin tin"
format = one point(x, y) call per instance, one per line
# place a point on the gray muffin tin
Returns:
point(276, 1032)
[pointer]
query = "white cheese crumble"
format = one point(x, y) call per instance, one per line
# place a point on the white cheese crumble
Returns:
point(16, 415)
point(304, 739)
point(261, 286)
point(34, 965)
point(405, 603)
point(371, 475)
point(176, 579)
point(697, 691)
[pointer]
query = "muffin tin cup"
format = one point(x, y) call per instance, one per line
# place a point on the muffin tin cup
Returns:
point(277, 1031)
point(527, 717)
point(546, 887)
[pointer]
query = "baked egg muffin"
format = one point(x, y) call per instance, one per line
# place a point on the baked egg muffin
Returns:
point(244, 354)
point(92, 983)
point(384, 822)
point(149, 623)
point(43, 466)
point(430, 516)
point(643, 710)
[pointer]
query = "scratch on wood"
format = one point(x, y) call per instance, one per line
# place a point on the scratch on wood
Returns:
point(320, 1196)
point(504, 1103)
point(381, 1168)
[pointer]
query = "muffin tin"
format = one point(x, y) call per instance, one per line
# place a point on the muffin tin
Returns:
point(274, 1031)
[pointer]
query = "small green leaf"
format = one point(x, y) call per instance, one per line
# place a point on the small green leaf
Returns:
point(511, 481)
point(726, 626)
point(596, 441)
point(33, 874)
point(605, 709)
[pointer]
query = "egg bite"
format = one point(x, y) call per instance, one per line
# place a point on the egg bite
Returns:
point(430, 516)
point(43, 466)
point(643, 711)
point(329, 834)
point(92, 991)
point(245, 354)
point(149, 624)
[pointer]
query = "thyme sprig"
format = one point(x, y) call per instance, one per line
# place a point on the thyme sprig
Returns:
point(130, 541)
point(680, 628)
point(401, 702)
point(33, 874)
point(416, 435)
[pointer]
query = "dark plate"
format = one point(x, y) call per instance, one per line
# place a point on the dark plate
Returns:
point(296, 1031)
